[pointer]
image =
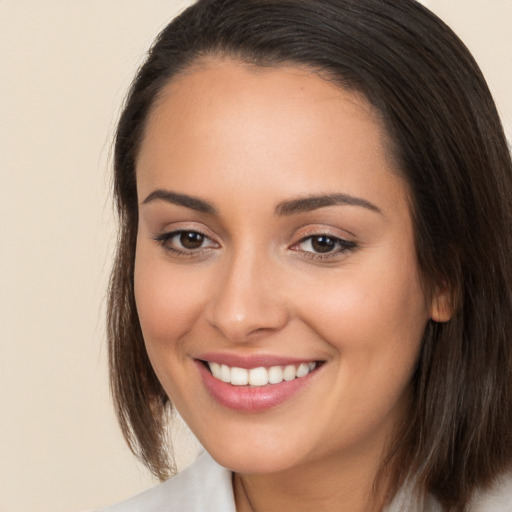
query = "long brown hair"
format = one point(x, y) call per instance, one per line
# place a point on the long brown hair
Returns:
point(449, 146)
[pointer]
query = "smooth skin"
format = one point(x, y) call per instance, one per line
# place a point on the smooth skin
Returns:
point(235, 272)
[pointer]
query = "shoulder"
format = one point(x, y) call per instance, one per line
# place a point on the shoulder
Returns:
point(498, 498)
point(202, 486)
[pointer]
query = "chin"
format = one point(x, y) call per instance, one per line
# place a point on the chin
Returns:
point(256, 454)
point(250, 462)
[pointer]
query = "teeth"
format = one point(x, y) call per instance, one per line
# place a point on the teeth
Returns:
point(302, 370)
point(275, 375)
point(260, 376)
point(289, 372)
point(225, 373)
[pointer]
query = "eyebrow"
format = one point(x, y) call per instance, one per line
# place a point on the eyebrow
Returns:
point(283, 209)
point(309, 203)
point(187, 201)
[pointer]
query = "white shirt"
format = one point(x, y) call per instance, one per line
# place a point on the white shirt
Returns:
point(207, 487)
point(202, 487)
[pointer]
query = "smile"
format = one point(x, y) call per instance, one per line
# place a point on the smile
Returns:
point(260, 376)
point(255, 383)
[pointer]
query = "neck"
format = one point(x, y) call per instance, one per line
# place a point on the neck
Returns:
point(327, 485)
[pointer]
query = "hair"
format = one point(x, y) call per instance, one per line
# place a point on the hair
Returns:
point(449, 146)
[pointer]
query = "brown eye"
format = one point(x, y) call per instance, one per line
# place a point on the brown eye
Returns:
point(191, 240)
point(185, 243)
point(323, 244)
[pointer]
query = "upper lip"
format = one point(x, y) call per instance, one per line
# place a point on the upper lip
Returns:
point(252, 361)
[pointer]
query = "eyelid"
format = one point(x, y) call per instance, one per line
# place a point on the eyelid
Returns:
point(324, 230)
point(343, 244)
point(337, 239)
point(183, 226)
point(165, 236)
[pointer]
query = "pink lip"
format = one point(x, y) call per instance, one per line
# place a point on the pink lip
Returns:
point(248, 362)
point(252, 399)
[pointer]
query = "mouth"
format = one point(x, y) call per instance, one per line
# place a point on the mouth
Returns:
point(256, 383)
point(261, 375)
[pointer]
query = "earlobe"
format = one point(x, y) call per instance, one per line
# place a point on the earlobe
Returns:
point(442, 306)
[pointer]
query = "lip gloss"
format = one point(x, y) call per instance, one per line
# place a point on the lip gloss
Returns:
point(248, 398)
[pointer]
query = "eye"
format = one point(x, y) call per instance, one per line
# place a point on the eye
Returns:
point(323, 245)
point(185, 242)
point(320, 244)
point(190, 239)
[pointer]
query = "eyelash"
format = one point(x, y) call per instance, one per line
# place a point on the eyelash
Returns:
point(165, 240)
point(341, 246)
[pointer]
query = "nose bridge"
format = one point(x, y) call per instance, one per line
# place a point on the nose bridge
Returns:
point(247, 300)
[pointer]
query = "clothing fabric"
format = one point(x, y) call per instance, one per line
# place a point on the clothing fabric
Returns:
point(207, 487)
point(202, 487)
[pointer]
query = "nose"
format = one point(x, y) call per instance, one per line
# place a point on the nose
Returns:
point(248, 302)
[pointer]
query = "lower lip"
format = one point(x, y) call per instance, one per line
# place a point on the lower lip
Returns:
point(252, 399)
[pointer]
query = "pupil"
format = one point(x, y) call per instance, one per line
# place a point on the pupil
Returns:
point(323, 244)
point(191, 240)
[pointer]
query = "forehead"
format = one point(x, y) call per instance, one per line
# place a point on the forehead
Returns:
point(212, 88)
point(262, 125)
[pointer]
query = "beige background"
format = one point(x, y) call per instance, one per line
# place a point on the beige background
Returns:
point(65, 66)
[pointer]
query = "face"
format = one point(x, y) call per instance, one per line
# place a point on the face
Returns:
point(276, 278)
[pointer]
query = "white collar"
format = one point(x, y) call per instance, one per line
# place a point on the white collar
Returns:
point(203, 486)
point(207, 486)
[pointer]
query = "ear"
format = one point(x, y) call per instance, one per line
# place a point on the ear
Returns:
point(442, 306)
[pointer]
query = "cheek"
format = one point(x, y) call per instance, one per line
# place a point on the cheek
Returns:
point(374, 323)
point(373, 315)
point(168, 302)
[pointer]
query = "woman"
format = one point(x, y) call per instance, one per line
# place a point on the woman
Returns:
point(314, 262)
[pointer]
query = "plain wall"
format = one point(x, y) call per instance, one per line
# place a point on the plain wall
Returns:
point(65, 66)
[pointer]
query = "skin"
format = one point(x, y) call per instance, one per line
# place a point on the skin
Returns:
point(245, 140)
